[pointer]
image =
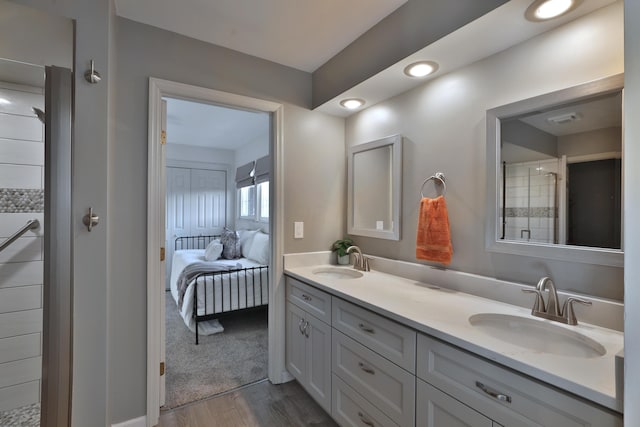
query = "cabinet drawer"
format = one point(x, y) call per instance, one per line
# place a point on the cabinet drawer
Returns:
point(521, 401)
point(350, 409)
point(390, 339)
point(312, 300)
point(437, 409)
point(388, 387)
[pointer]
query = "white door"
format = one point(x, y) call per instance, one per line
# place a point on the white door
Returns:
point(163, 259)
point(196, 206)
point(208, 202)
point(178, 212)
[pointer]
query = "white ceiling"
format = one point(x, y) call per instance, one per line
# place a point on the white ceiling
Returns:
point(493, 32)
point(206, 125)
point(302, 34)
point(599, 113)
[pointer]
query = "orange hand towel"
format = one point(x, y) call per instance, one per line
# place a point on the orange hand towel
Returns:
point(433, 241)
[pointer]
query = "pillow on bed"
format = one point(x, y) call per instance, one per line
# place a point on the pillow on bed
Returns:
point(213, 250)
point(259, 250)
point(246, 239)
point(231, 244)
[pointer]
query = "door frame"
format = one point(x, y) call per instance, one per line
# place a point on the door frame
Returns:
point(156, 193)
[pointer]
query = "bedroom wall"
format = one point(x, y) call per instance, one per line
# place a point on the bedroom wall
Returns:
point(198, 63)
point(443, 122)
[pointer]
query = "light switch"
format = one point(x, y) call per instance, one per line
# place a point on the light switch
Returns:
point(298, 230)
point(379, 225)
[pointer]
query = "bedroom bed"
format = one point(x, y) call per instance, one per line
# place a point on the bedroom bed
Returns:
point(205, 290)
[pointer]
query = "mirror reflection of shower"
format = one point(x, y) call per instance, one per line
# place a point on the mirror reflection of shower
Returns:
point(530, 201)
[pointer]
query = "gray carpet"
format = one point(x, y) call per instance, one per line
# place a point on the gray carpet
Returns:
point(221, 362)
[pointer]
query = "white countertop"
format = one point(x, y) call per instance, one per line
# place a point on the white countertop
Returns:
point(444, 314)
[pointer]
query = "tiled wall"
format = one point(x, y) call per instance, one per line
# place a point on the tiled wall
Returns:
point(21, 264)
point(531, 201)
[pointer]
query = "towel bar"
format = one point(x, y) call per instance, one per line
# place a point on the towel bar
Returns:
point(439, 176)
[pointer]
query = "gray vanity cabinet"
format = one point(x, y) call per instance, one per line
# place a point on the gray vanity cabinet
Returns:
point(308, 345)
point(368, 370)
point(498, 393)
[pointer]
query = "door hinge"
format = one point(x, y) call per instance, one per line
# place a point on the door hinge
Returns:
point(163, 137)
point(161, 254)
point(161, 368)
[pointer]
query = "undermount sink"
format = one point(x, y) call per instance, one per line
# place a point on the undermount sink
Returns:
point(537, 336)
point(337, 273)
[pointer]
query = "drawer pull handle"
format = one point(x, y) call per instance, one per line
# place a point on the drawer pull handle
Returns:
point(365, 421)
point(493, 393)
point(300, 323)
point(306, 297)
point(366, 328)
point(306, 328)
point(366, 369)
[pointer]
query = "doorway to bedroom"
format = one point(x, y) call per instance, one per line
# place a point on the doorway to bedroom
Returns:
point(217, 248)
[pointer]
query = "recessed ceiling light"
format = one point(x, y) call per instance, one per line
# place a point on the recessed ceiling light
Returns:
point(541, 10)
point(420, 69)
point(352, 103)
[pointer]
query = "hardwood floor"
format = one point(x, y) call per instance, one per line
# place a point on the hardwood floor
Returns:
point(257, 405)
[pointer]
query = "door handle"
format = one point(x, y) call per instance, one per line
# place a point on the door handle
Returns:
point(90, 220)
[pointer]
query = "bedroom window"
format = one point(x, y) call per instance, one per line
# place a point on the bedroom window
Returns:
point(252, 181)
point(247, 200)
point(263, 201)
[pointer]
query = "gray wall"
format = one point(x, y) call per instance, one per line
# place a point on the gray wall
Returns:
point(608, 140)
point(443, 123)
point(93, 20)
point(632, 210)
point(51, 44)
point(526, 136)
point(313, 151)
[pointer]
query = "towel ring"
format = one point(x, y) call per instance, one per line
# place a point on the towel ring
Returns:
point(440, 177)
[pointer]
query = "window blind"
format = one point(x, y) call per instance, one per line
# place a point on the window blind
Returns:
point(263, 166)
point(245, 175)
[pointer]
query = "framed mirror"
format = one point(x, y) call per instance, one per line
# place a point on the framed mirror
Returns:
point(554, 175)
point(374, 172)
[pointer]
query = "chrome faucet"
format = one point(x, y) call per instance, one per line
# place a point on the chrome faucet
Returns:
point(552, 300)
point(360, 262)
point(551, 310)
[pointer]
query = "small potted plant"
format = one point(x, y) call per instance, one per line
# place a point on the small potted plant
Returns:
point(340, 248)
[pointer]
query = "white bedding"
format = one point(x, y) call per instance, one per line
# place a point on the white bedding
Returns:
point(232, 301)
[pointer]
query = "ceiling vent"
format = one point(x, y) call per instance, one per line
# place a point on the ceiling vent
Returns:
point(564, 118)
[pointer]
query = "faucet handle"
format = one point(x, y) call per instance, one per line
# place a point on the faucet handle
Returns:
point(538, 305)
point(567, 310)
point(365, 264)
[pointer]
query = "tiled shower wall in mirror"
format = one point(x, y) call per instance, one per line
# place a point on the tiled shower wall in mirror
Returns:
point(532, 201)
point(21, 263)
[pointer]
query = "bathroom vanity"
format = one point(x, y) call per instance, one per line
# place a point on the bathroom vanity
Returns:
point(375, 349)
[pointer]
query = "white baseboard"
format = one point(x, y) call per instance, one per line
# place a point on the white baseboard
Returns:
point(136, 422)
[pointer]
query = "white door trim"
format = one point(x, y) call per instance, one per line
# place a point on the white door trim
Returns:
point(155, 229)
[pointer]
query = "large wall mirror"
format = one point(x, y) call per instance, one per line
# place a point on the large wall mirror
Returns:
point(374, 188)
point(555, 175)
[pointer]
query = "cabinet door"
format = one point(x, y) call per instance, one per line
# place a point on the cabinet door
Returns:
point(437, 409)
point(296, 343)
point(318, 335)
